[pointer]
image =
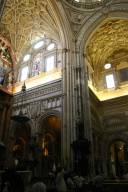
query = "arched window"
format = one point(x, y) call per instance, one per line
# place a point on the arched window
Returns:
point(40, 57)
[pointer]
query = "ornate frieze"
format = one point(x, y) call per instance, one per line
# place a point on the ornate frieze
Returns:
point(38, 100)
point(42, 92)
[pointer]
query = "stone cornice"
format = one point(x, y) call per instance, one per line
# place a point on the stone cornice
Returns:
point(41, 92)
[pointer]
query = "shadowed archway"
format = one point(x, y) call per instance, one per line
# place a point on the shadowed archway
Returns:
point(49, 141)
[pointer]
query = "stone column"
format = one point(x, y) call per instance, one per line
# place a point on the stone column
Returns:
point(87, 116)
point(83, 115)
point(75, 102)
point(68, 106)
point(65, 110)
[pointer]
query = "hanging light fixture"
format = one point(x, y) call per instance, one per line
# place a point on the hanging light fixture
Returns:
point(21, 117)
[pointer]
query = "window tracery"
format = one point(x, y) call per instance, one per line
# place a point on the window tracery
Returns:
point(41, 57)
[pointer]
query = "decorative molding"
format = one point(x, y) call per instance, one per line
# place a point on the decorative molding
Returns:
point(42, 92)
point(39, 100)
point(23, 22)
point(87, 4)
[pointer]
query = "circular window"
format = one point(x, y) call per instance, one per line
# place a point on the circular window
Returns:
point(107, 66)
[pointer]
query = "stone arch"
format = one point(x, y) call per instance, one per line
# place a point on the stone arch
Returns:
point(89, 27)
point(65, 31)
point(109, 139)
point(19, 141)
point(87, 30)
point(106, 143)
point(49, 140)
point(45, 115)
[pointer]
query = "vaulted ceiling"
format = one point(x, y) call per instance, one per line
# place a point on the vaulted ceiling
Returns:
point(108, 44)
point(108, 40)
point(26, 21)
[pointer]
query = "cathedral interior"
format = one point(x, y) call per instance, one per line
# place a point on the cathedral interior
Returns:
point(64, 86)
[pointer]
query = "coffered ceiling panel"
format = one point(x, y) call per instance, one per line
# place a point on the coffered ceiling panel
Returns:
point(26, 21)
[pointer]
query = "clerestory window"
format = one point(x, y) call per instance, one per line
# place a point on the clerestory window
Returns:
point(41, 57)
point(110, 82)
point(24, 73)
point(50, 63)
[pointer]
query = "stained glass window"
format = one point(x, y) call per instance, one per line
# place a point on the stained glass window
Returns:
point(39, 58)
point(36, 65)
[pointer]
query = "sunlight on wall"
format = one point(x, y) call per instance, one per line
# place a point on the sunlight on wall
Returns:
point(110, 93)
point(41, 79)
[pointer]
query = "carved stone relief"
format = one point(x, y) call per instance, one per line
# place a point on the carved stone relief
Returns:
point(38, 101)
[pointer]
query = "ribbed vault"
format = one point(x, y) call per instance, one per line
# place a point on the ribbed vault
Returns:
point(26, 21)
